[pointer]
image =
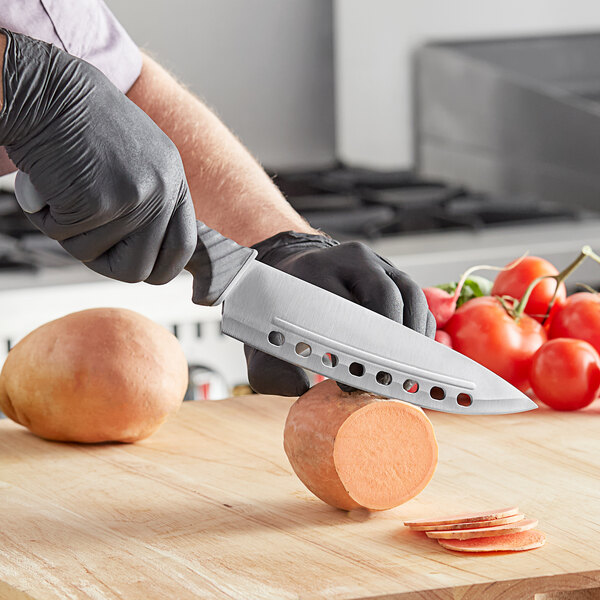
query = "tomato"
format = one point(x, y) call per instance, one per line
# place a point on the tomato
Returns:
point(565, 374)
point(443, 338)
point(483, 330)
point(515, 281)
point(579, 318)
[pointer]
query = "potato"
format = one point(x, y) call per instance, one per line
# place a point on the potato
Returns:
point(359, 450)
point(99, 375)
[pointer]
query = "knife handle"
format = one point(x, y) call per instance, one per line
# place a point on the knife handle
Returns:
point(215, 264)
point(27, 196)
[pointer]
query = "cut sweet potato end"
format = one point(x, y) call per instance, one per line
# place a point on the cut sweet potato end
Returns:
point(470, 524)
point(514, 542)
point(385, 454)
point(466, 517)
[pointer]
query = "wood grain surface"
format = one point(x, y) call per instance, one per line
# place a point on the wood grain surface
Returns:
point(208, 507)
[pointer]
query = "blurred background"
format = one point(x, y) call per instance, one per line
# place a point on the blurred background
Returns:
point(441, 134)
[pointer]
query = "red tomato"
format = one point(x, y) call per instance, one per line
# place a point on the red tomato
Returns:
point(579, 318)
point(483, 330)
point(443, 338)
point(565, 374)
point(515, 282)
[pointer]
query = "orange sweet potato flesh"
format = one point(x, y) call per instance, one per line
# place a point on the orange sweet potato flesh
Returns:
point(465, 534)
point(98, 375)
point(515, 542)
point(470, 524)
point(358, 450)
point(466, 517)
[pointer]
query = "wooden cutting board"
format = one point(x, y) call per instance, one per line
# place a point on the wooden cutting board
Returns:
point(208, 507)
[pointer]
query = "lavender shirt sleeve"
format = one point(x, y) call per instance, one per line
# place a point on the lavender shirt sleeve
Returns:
point(84, 28)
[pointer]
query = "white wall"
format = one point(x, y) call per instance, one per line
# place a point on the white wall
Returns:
point(266, 67)
point(374, 41)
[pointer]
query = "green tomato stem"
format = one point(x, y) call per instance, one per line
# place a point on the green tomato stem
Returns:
point(519, 309)
point(588, 288)
point(562, 276)
point(505, 306)
point(471, 270)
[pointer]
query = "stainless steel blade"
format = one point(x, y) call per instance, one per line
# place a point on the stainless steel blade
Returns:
point(312, 328)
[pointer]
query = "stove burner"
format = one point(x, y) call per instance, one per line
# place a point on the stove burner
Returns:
point(350, 203)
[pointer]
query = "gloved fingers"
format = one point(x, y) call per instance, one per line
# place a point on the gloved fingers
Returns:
point(372, 288)
point(322, 274)
point(431, 326)
point(90, 245)
point(270, 375)
point(45, 222)
point(416, 310)
point(178, 244)
point(68, 226)
point(133, 258)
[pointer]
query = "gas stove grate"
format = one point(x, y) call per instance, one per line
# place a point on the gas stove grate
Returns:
point(351, 203)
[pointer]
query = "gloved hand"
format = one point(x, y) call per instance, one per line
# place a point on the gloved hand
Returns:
point(116, 193)
point(350, 270)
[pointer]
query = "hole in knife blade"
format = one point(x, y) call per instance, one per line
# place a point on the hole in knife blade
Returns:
point(410, 386)
point(303, 349)
point(356, 369)
point(276, 338)
point(329, 360)
point(464, 399)
point(383, 378)
point(437, 393)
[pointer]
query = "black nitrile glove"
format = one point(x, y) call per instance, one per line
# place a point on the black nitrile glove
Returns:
point(350, 270)
point(113, 182)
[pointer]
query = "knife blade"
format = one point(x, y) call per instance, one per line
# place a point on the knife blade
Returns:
point(327, 334)
point(312, 328)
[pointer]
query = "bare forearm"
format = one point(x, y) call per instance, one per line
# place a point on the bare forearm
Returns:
point(230, 190)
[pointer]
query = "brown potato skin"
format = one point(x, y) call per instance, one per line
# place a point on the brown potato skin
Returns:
point(310, 431)
point(99, 375)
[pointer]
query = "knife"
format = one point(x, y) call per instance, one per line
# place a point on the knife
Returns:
point(312, 328)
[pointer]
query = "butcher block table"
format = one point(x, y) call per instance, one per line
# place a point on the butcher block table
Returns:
point(208, 507)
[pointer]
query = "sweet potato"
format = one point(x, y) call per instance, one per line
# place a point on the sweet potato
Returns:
point(466, 534)
point(358, 450)
point(466, 517)
point(514, 542)
point(470, 524)
point(98, 375)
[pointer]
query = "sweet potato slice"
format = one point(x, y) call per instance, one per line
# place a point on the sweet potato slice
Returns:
point(466, 517)
point(465, 534)
point(359, 450)
point(514, 542)
point(470, 524)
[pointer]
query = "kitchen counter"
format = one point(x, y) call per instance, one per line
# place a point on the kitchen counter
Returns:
point(208, 507)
